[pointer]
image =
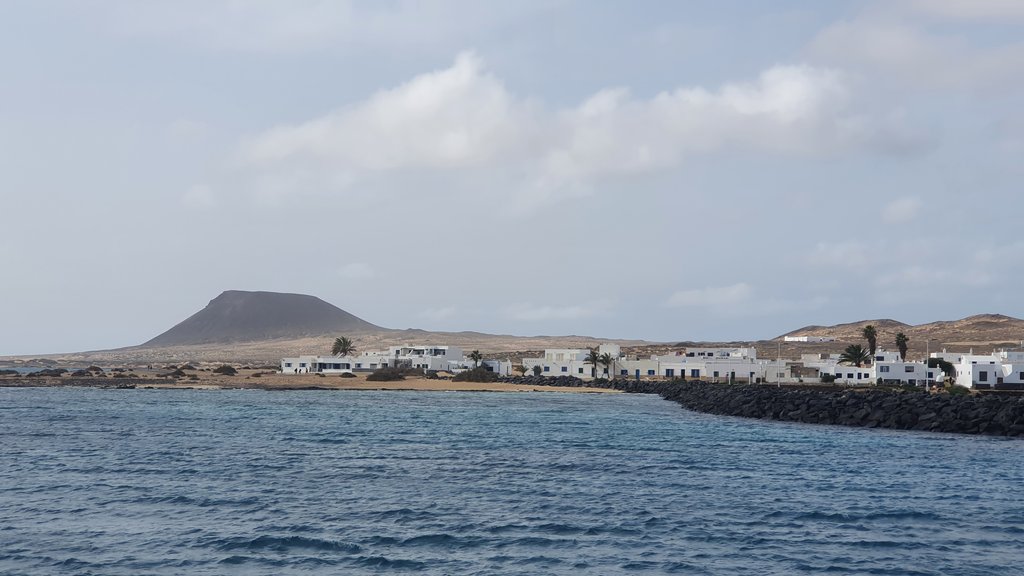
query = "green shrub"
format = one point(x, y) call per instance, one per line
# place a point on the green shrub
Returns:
point(478, 374)
point(386, 375)
point(958, 390)
point(225, 370)
point(347, 375)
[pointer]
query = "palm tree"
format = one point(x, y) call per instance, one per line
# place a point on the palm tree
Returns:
point(593, 358)
point(901, 345)
point(855, 354)
point(872, 337)
point(522, 369)
point(343, 347)
point(606, 360)
point(476, 357)
point(537, 369)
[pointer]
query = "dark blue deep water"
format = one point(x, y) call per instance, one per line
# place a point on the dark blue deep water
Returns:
point(251, 482)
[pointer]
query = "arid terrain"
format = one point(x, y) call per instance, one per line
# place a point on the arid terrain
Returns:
point(203, 378)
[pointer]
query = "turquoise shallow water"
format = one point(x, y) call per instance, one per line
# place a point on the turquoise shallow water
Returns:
point(250, 482)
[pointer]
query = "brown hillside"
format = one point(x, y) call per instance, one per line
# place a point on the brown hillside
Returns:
point(982, 332)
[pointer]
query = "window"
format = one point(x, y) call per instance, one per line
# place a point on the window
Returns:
point(565, 368)
point(579, 370)
point(650, 372)
point(695, 373)
point(670, 372)
point(547, 368)
point(359, 364)
point(624, 372)
point(1022, 375)
point(908, 369)
point(850, 375)
point(879, 358)
point(883, 368)
point(287, 364)
point(302, 364)
point(982, 376)
point(715, 374)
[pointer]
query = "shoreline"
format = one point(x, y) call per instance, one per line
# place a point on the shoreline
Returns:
point(290, 383)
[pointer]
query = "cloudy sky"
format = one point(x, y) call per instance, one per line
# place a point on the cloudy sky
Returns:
point(657, 170)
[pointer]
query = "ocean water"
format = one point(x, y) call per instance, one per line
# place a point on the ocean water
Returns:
point(252, 482)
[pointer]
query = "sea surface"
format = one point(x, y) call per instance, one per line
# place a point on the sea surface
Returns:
point(254, 482)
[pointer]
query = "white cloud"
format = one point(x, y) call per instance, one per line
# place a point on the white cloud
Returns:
point(356, 271)
point(902, 210)
point(715, 296)
point(436, 314)
point(892, 51)
point(199, 197)
point(463, 118)
point(457, 117)
point(530, 312)
point(997, 10)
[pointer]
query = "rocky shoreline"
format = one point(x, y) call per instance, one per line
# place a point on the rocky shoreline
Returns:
point(879, 408)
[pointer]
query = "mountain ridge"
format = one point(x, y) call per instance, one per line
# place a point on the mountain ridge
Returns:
point(982, 328)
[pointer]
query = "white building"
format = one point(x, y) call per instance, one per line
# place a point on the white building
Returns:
point(421, 357)
point(886, 367)
point(572, 362)
point(720, 364)
point(1002, 370)
point(815, 339)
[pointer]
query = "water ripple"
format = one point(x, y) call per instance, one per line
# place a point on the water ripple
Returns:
point(171, 482)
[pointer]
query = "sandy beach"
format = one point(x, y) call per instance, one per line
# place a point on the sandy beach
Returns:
point(246, 379)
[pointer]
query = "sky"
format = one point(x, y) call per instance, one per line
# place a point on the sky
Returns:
point(698, 170)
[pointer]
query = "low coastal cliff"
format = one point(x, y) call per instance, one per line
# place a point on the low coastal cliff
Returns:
point(901, 410)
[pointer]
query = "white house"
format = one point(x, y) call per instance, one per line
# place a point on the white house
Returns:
point(886, 366)
point(722, 364)
point(422, 357)
point(816, 339)
point(1002, 370)
point(572, 361)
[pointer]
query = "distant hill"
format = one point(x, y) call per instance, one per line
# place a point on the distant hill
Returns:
point(982, 329)
point(238, 316)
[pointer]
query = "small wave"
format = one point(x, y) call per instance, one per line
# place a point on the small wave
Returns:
point(200, 502)
point(559, 529)
point(284, 544)
point(392, 564)
point(402, 515)
point(537, 541)
point(73, 563)
point(444, 540)
point(547, 560)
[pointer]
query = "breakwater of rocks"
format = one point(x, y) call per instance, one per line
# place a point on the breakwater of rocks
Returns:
point(881, 408)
